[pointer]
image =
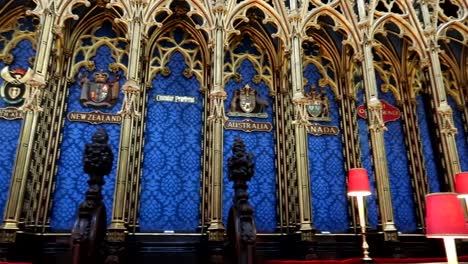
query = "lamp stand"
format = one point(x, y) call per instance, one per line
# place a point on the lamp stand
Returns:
point(466, 202)
point(450, 250)
point(362, 222)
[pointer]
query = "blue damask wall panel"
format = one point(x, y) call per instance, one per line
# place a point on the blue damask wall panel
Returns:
point(170, 186)
point(428, 150)
point(71, 180)
point(328, 179)
point(366, 154)
point(262, 187)
point(399, 177)
point(10, 129)
point(460, 137)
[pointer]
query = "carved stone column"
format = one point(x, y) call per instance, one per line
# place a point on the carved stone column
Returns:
point(433, 31)
point(216, 121)
point(376, 124)
point(31, 109)
point(131, 89)
point(14, 204)
point(300, 122)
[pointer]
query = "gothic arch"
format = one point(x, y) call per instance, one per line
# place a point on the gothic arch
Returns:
point(341, 23)
point(199, 40)
point(271, 16)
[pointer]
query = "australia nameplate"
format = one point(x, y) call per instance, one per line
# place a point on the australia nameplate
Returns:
point(248, 126)
point(95, 117)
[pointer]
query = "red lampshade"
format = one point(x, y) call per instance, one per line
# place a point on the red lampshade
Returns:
point(358, 182)
point(461, 184)
point(444, 216)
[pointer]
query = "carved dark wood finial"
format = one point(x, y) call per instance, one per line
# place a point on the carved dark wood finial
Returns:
point(89, 228)
point(241, 224)
point(98, 157)
point(240, 165)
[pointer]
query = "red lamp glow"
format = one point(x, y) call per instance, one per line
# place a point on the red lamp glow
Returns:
point(358, 186)
point(358, 182)
point(444, 216)
point(461, 184)
point(445, 219)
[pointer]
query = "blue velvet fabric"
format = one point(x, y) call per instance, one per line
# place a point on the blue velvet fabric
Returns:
point(398, 169)
point(170, 185)
point(10, 129)
point(460, 137)
point(428, 150)
point(71, 180)
point(366, 155)
point(326, 168)
point(262, 187)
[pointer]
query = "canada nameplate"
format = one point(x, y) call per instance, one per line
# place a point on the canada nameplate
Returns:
point(319, 130)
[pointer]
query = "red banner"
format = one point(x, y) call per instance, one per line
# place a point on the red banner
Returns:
point(389, 112)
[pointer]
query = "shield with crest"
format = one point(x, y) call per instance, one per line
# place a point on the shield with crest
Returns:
point(98, 92)
point(315, 108)
point(14, 92)
point(247, 101)
point(13, 89)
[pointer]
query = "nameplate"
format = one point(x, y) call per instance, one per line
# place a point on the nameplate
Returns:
point(318, 130)
point(389, 112)
point(10, 113)
point(95, 117)
point(248, 126)
point(175, 99)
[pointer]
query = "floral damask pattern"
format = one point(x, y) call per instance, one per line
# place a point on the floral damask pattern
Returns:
point(170, 185)
point(71, 180)
point(328, 184)
point(428, 151)
point(10, 129)
point(399, 177)
point(460, 137)
point(262, 187)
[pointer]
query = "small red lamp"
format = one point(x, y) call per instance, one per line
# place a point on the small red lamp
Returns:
point(358, 186)
point(445, 219)
point(461, 186)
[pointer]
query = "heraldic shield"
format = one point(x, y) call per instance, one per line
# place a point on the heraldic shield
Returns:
point(100, 93)
point(318, 105)
point(246, 102)
point(13, 89)
point(247, 99)
point(315, 108)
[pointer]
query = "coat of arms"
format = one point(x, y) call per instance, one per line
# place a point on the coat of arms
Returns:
point(318, 107)
point(100, 93)
point(13, 90)
point(246, 102)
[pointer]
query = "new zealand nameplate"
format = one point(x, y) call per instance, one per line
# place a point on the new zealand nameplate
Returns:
point(95, 117)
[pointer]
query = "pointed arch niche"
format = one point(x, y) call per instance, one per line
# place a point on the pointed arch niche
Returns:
point(173, 138)
point(17, 51)
point(248, 62)
point(98, 45)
